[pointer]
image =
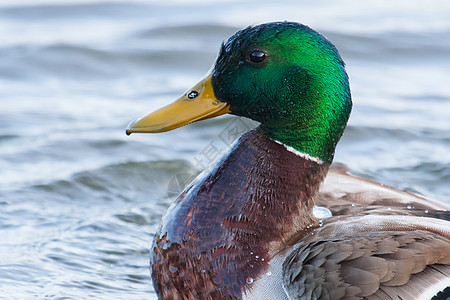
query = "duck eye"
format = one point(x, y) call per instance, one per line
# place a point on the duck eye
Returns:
point(257, 56)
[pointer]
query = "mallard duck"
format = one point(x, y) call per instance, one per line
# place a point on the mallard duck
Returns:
point(246, 229)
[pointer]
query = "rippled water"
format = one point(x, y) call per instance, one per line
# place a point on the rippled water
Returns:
point(80, 201)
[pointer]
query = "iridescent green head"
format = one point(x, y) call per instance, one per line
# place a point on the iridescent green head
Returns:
point(289, 78)
point(284, 75)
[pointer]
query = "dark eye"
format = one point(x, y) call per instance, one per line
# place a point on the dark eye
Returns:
point(257, 56)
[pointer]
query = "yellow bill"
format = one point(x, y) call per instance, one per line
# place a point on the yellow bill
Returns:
point(197, 104)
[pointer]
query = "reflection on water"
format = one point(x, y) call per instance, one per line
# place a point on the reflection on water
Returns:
point(80, 201)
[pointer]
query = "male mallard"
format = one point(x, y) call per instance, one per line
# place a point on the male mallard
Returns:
point(246, 229)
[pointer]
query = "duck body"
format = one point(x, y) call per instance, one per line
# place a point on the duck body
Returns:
point(239, 231)
point(246, 228)
point(219, 236)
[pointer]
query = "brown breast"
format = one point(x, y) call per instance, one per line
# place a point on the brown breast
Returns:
point(218, 236)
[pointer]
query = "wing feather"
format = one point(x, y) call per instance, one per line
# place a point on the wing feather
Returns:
point(374, 264)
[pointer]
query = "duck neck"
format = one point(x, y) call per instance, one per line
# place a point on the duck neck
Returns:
point(222, 232)
point(318, 141)
point(315, 117)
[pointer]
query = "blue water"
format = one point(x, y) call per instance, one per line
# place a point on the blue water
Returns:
point(80, 201)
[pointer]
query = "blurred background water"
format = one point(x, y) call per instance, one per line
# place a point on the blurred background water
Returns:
point(80, 201)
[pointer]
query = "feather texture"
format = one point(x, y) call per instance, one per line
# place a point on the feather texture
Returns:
point(379, 264)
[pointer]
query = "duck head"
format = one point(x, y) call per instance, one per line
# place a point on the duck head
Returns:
point(284, 75)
